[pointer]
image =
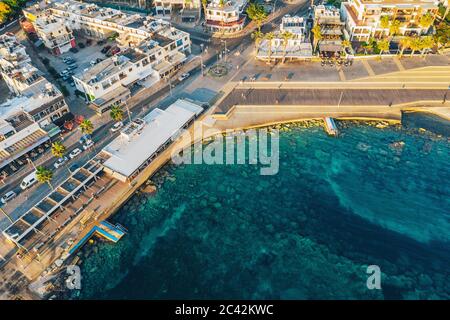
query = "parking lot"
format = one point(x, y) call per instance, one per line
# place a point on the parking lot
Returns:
point(72, 63)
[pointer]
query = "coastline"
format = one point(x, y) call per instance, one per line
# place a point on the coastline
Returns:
point(137, 202)
point(129, 190)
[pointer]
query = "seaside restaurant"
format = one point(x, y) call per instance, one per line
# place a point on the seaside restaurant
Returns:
point(144, 139)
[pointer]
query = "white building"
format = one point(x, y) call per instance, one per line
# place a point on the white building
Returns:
point(331, 27)
point(362, 17)
point(143, 139)
point(15, 66)
point(108, 82)
point(167, 7)
point(26, 125)
point(54, 33)
point(100, 23)
point(295, 47)
point(228, 18)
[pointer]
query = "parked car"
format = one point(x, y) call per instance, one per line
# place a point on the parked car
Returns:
point(64, 73)
point(60, 162)
point(88, 144)
point(101, 42)
point(116, 50)
point(74, 153)
point(28, 181)
point(73, 50)
point(72, 66)
point(105, 49)
point(254, 77)
point(8, 196)
point(117, 126)
point(68, 60)
point(93, 62)
point(183, 76)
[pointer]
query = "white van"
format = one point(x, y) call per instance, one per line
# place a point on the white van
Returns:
point(28, 181)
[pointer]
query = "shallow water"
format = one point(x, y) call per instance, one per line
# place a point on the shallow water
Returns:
point(309, 232)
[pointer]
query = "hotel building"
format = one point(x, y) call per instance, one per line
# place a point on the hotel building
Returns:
point(54, 33)
point(362, 17)
point(297, 47)
point(331, 26)
point(228, 18)
point(167, 7)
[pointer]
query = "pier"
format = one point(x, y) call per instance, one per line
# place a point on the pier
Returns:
point(330, 126)
point(105, 230)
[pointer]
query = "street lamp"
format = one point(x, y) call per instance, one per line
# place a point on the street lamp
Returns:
point(201, 63)
point(225, 54)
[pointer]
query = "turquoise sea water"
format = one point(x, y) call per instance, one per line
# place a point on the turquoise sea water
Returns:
point(370, 197)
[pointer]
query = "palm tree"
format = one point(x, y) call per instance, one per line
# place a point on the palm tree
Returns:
point(346, 44)
point(405, 43)
point(383, 45)
point(426, 21)
point(368, 47)
point(257, 36)
point(86, 127)
point(257, 13)
point(116, 113)
point(58, 149)
point(286, 36)
point(394, 28)
point(205, 5)
point(384, 23)
point(317, 35)
point(221, 6)
point(269, 37)
point(44, 175)
point(427, 43)
point(415, 45)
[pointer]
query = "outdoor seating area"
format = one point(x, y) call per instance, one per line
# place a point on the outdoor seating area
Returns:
point(47, 218)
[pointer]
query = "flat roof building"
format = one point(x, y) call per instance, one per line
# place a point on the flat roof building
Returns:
point(143, 139)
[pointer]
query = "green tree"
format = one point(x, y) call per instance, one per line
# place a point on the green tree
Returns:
point(383, 46)
point(415, 45)
point(86, 127)
point(257, 36)
point(205, 5)
point(286, 36)
point(116, 113)
point(5, 11)
point(442, 35)
point(44, 175)
point(257, 14)
point(384, 24)
point(58, 149)
point(427, 43)
point(405, 43)
point(394, 28)
point(317, 32)
point(426, 21)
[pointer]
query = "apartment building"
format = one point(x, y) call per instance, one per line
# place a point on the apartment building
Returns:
point(227, 18)
point(295, 47)
point(15, 68)
point(26, 126)
point(108, 82)
point(54, 33)
point(100, 23)
point(331, 26)
point(167, 7)
point(362, 17)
